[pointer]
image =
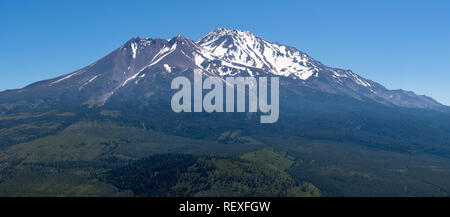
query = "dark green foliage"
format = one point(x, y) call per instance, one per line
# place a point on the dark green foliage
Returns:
point(24, 127)
point(59, 179)
point(154, 176)
point(186, 175)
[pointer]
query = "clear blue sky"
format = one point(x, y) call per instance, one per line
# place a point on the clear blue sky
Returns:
point(400, 44)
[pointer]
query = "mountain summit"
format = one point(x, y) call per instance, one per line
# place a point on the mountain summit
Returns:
point(248, 50)
point(138, 70)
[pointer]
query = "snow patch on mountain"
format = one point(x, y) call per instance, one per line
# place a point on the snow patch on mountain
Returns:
point(134, 49)
point(62, 79)
point(167, 67)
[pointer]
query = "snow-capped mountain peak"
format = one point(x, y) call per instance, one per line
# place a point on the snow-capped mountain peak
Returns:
point(244, 48)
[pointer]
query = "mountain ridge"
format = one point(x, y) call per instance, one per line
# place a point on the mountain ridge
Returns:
point(220, 53)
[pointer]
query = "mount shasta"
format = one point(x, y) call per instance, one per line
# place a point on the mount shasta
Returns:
point(136, 65)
